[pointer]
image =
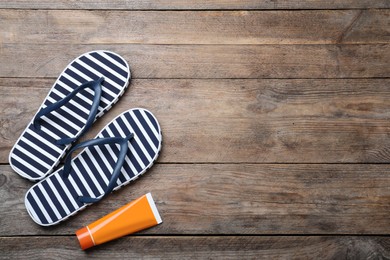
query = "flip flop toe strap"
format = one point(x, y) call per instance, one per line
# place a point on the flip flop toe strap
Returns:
point(96, 86)
point(123, 142)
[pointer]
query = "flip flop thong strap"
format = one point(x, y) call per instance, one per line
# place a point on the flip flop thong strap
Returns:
point(96, 86)
point(123, 142)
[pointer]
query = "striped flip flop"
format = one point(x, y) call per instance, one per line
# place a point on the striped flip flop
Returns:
point(85, 90)
point(120, 153)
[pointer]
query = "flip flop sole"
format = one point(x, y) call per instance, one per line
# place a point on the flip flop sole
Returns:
point(54, 199)
point(35, 154)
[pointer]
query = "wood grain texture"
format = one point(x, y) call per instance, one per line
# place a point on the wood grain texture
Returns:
point(189, 27)
point(275, 116)
point(195, 4)
point(233, 199)
point(283, 121)
point(201, 247)
point(208, 61)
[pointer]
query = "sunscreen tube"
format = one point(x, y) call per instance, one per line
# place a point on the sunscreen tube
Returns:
point(135, 216)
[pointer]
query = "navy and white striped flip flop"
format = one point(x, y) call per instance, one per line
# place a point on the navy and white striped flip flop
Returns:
point(85, 90)
point(119, 154)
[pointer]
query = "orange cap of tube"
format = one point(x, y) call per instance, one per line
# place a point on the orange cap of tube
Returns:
point(84, 237)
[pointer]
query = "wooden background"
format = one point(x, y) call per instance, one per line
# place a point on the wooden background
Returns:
point(275, 116)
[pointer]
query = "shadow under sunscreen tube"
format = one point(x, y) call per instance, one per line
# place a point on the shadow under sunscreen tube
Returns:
point(137, 215)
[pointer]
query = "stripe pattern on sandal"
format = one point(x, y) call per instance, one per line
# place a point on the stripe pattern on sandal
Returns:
point(36, 153)
point(55, 198)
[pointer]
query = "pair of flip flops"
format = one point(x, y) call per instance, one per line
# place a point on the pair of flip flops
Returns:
point(123, 150)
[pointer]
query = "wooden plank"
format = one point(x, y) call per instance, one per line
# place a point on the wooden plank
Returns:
point(234, 199)
point(201, 247)
point(196, 5)
point(189, 27)
point(209, 61)
point(312, 121)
